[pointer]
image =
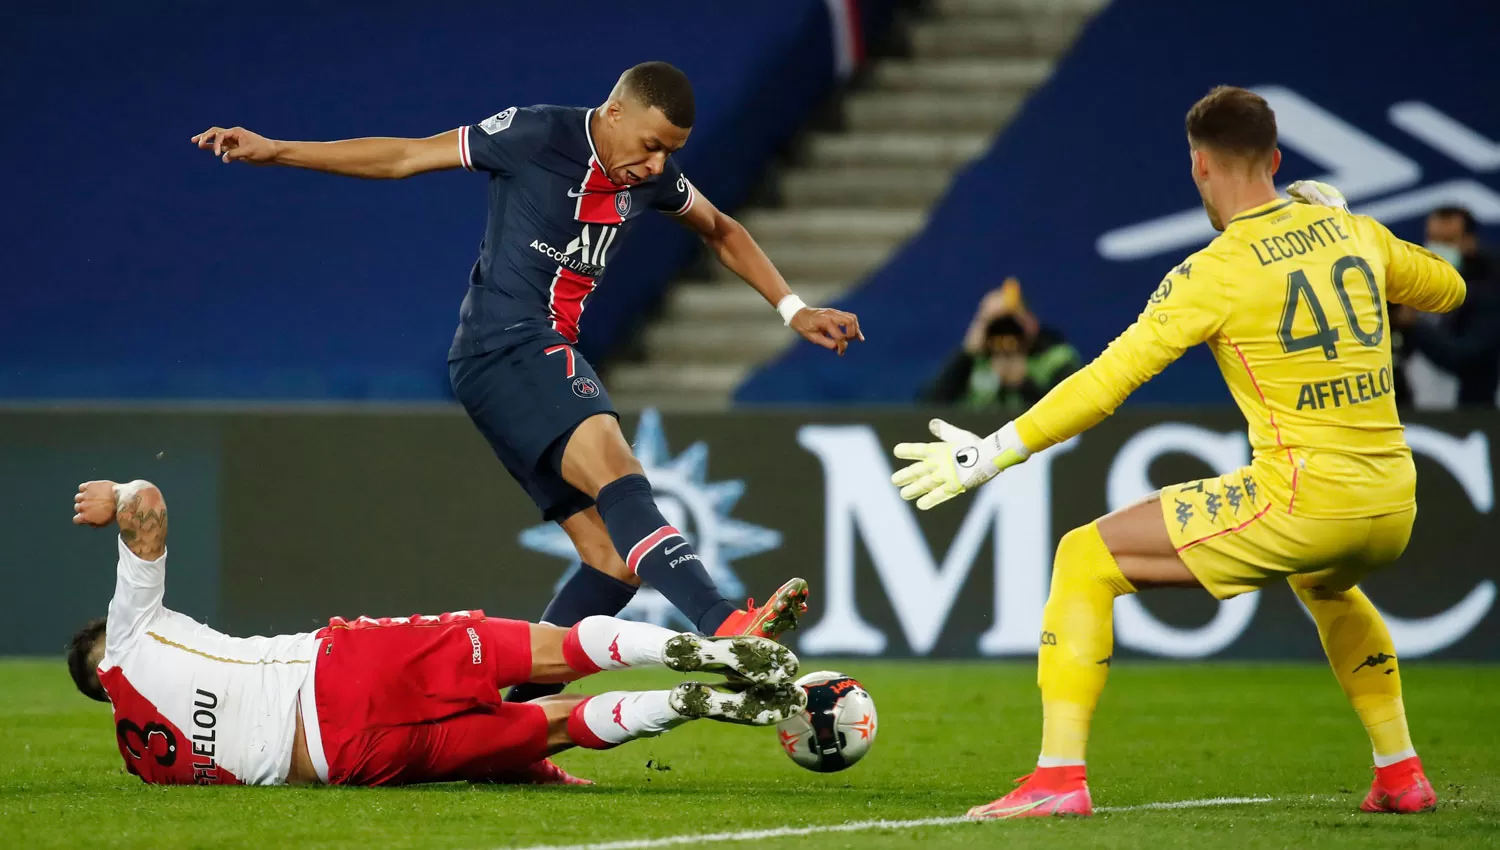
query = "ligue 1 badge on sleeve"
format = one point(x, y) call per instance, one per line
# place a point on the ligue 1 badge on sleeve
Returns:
point(622, 202)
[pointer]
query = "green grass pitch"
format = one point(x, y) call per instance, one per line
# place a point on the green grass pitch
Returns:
point(951, 735)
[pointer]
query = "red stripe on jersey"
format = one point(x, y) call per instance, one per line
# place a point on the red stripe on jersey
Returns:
point(598, 199)
point(154, 748)
point(649, 542)
point(565, 302)
point(556, 348)
point(463, 149)
point(688, 204)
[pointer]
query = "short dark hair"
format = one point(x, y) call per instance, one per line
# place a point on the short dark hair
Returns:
point(1235, 121)
point(1470, 225)
point(1004, 326)
point(664, 87)
point(79, 649)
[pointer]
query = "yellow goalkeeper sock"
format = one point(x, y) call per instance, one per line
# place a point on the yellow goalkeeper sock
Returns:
point(1077, 642)
point(1363, 658)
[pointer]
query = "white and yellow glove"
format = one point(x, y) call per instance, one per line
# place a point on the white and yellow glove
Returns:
point(1321, 194)
point(961, 462)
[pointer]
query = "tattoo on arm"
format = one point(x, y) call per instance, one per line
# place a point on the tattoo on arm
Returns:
point(142, 520)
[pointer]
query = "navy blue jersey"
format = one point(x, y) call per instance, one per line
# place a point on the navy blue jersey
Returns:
point(555, 220)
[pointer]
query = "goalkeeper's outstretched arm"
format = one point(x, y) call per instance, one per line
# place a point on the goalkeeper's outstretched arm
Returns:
point(1182, 313)
point(1088, 396)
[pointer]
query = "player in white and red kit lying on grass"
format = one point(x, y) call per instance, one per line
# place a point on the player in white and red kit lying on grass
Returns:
point(380, 702)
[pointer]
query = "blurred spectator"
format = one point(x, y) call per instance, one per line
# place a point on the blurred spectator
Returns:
point(1466, 342)
point(1009, 359)
point(1400, 353)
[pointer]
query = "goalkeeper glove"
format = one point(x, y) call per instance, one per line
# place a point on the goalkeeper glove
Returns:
point(1321, 194)
point(961, 462)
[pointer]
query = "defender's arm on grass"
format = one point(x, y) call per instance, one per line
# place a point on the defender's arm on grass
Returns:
point(739, 252)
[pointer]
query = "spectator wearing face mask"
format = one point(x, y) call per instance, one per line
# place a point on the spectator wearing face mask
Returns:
point(1009, 359)
point(1466, 342)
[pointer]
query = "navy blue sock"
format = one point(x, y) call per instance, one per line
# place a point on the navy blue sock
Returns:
point(658, 553)
point(587, 592)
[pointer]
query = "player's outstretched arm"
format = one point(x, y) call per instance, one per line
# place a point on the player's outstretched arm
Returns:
point(739, 252)
point(138, 507)
point(1172, 322)
point(376, 158)
point(962, 460)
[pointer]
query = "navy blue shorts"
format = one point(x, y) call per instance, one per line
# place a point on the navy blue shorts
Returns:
point(526, 397)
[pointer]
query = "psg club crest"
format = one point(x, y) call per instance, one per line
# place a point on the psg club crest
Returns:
point(585, 387)
point(690, 502)
point(622, 203)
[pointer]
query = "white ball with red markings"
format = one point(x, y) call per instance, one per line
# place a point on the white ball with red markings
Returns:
point(837, 727)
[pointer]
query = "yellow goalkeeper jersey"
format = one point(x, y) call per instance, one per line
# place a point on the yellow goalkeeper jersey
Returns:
point(1291, 298)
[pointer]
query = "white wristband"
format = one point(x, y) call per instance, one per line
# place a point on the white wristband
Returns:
point(788, 308)
point(1007, 439)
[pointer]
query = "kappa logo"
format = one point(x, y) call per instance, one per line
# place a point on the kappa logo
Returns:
point(614, 651)
point(701, 509)
point(477, 656)
point(1366, 169)
point(585, 387)
point(617, 712)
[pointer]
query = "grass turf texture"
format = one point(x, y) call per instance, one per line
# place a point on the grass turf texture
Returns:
point(951, 735)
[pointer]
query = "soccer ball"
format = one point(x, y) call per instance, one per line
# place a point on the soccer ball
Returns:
point(837, 727)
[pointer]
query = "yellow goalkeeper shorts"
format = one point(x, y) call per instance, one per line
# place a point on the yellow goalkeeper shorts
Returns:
point(1235, 539)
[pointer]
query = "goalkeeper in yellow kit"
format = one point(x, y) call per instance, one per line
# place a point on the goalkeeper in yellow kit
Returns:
point(1291, 299)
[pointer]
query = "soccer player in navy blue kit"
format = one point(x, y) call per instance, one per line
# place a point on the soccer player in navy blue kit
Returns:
point(566, 186)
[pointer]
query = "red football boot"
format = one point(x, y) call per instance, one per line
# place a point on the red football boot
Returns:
point(772, 619)
point(1049, 792)
point(1401, 788)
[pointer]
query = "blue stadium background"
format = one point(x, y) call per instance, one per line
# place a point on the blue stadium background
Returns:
point(139, 268)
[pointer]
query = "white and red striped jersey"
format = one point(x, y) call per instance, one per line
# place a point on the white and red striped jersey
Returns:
point(193, 705)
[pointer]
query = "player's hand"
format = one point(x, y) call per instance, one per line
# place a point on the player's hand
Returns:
point(236, 143)
point(961, 462)
point(832, 329)
point(1320, 194)
point(94, 504)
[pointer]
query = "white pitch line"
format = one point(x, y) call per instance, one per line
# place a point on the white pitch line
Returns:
point(865, 825)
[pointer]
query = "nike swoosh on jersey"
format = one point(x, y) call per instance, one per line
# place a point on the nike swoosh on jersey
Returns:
point(675, 548)
point(574, 193)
